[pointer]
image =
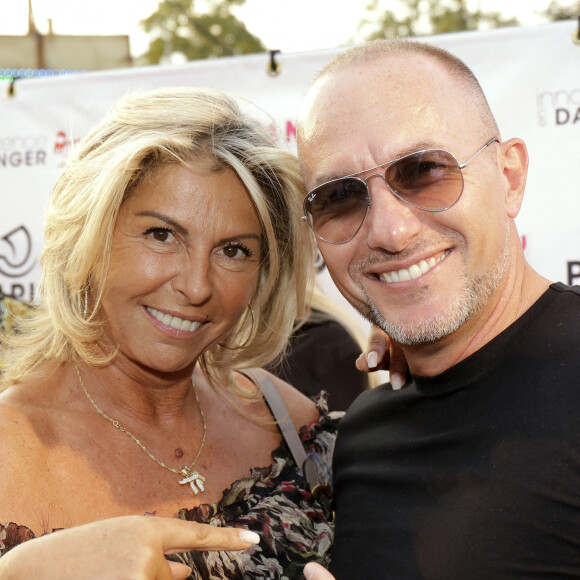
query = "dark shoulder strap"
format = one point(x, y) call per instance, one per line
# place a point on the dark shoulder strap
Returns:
point(279, 412)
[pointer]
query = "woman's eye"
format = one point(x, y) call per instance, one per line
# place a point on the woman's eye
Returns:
point(234, 251)
point(160, 234)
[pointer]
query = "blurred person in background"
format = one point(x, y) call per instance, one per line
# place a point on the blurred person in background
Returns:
point(322, 354)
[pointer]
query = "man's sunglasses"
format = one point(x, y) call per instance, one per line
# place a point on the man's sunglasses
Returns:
point(430, 180)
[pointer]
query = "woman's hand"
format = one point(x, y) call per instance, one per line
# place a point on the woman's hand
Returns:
point(313, 571)
point(128, 547)
point(382, 353)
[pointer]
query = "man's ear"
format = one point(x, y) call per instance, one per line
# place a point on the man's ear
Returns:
point(515, 171)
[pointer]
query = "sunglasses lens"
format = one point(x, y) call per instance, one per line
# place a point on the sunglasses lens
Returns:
point(428, 179)
point(337, 209)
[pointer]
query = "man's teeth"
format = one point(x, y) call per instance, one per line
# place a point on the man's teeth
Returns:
point(174, 321)
point(414, 271)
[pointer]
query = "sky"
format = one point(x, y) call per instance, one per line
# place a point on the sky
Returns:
point(286, 25)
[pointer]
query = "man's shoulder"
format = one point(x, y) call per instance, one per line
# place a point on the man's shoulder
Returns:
point(369, 400)
point(558, 305)
point(561, 287)
point(562, 305)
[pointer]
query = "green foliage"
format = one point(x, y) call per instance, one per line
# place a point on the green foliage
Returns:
point(425, 17)
point(179, 27)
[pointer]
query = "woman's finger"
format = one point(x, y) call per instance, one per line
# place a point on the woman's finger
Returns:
point(313, 571)
point(182, 536)
point(382, 353)
point(397, 365)
point(376, 355)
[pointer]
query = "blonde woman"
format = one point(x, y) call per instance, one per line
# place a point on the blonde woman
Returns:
point(174, 262)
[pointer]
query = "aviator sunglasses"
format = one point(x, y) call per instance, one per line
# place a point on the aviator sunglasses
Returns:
point(430, 180)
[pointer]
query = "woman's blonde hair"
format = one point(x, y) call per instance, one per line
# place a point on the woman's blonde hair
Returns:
point(141, 133)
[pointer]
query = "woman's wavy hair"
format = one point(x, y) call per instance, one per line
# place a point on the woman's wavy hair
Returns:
point(141, 133)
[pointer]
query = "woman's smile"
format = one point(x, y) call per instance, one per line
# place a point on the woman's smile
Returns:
point(167, 320)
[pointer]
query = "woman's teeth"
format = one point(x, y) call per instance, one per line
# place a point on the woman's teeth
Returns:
point(174, 321)
point(414, 271)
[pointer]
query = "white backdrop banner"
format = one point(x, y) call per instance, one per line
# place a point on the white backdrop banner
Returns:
point(530, 75)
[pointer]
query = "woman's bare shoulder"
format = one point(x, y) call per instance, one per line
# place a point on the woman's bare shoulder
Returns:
point(20, 433)
point(22, 460)
point(14, 407)
point(26, 428)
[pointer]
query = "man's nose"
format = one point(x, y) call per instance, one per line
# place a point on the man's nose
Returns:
point(390, 223)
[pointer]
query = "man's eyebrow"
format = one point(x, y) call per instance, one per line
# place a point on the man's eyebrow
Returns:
point(176, 226)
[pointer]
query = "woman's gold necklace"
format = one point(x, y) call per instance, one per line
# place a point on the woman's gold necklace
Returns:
point(191, 477)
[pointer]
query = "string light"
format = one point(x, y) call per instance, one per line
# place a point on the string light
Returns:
point(10, 74)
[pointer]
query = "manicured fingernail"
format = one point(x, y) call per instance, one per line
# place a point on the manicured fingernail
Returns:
point(397, 381)
point(372, 359)
point(250, 537)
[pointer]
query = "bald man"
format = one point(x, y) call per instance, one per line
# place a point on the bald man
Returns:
point(472, 471)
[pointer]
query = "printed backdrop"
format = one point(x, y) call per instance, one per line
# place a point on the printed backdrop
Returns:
point(530, 75)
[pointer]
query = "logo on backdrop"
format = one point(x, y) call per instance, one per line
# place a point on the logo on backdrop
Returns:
point(63, 143)
point(286, 132)
point(559, 108)
point(16, 261)
point(23, 151)
point(573, 273)
point(33, 150)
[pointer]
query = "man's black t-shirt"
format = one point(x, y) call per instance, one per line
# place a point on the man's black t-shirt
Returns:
point(472, 474)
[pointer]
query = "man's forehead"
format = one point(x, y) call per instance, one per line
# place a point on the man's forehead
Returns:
point(378, 85)
point(391, 93)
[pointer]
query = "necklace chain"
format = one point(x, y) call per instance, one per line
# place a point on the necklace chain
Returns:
point(193, 478)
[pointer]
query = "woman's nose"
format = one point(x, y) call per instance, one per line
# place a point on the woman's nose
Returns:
point(193, 278)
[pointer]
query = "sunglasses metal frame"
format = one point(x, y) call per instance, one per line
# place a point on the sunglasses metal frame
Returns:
point(312, 193)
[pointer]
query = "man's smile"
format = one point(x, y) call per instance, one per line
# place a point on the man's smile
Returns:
point(415, 270)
